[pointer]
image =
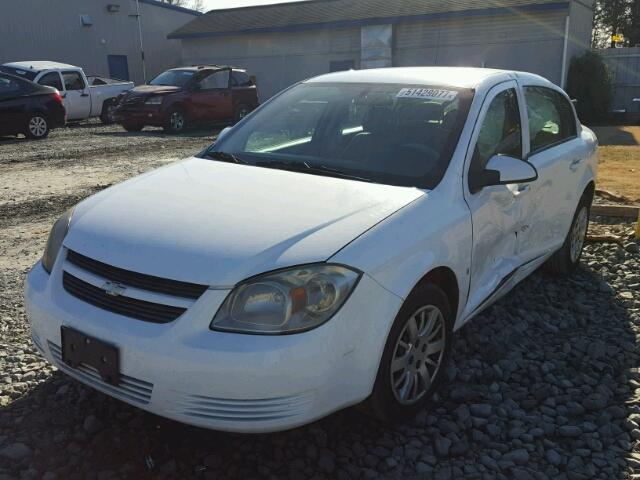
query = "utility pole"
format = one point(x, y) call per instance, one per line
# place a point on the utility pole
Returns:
point(144, 68)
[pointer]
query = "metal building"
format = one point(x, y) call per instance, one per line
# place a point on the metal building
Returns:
point(102, 36)
point(284, 43)
point(624, 66)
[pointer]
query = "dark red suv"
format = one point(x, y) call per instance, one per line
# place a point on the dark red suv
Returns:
point(181, 97)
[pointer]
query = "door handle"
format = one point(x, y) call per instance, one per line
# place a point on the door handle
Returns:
point(524, 187)
point(575, 163)
point(84, 94)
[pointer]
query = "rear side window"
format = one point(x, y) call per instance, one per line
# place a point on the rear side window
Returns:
point(9, 86)
point(18, 72)
point(51, 79)
point(240, 79)
point(551, 118)
point(73, 81)
point(501, 131)
point(219, 79)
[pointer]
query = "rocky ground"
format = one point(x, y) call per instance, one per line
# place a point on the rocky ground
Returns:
point(545, 384)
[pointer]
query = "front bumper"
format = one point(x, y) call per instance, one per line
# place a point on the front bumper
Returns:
point(140, 115)
point(234, 382)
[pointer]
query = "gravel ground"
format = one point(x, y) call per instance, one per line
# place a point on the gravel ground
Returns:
point(545, 384)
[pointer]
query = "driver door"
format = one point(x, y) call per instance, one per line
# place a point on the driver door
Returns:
point(496, 210)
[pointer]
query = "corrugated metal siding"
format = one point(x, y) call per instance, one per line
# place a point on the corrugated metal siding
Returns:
point(48, 30)
point(624, 65)
point(530, 42)
point(277, 60)
point(316, 12)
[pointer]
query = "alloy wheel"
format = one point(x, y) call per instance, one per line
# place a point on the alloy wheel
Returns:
point(578, 234)
point(37, 126)
point(177, 121)
point(418, 354)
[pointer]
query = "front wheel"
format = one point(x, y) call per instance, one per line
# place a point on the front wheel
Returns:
point(176, 122)
point(415, 355)
point(565, 260)
point(37, 126)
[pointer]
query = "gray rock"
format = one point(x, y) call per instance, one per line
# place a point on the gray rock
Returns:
point(519, 456)
point(92, 425)
point(553, 457)
point(16, 451)
point(442, 446)
point(482, 410)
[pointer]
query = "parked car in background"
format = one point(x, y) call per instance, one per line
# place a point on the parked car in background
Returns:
point(29, 108)
point(182, 97)
point(83, 97)
point(322, 252)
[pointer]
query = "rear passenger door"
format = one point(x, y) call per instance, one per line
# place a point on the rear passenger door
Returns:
point(554, 149)
point(212, 100)
point(13, 104)
point(243, 92)
point(77, 99)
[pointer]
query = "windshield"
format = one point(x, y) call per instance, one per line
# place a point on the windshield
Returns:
point(174, 78)
point(384, 133)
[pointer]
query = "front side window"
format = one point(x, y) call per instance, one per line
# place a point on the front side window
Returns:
point(384, 133)
point(551, 118)
point(73, 81)
point(173, 78)
point(51, 79)
point(501, 131)
point(216, 80)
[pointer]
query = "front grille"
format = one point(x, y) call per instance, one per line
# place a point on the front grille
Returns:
point(130, 307)
point(138, 280)
point(129, 389)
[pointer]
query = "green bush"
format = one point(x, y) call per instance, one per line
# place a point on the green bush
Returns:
point(589, 82)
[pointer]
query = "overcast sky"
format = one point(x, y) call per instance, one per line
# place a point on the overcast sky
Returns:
point(211, 4)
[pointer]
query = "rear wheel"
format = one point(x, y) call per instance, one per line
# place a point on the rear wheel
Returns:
point(37, 126)
point(107, 116)
point(415, 355)
point(565, 260)
point(241, 111)
point(129, 127)
point(176, 122)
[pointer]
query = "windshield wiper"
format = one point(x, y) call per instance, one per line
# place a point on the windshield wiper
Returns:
point(304, 167)
point(224, 157)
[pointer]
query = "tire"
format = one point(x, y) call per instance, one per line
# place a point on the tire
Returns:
point(37, 126)
point(566, 260)
point(176, 121)
point(108, 111)
point(132, 127)
point(406, 356)
point(240, 112)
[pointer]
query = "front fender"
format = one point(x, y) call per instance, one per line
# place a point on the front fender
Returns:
point(434, 231)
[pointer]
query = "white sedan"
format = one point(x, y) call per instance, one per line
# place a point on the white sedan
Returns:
point(322, 252)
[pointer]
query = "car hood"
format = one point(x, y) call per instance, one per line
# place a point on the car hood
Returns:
point(153, 90)
point(217, 223)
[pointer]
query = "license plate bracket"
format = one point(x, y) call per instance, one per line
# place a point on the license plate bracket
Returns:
point(78, 349)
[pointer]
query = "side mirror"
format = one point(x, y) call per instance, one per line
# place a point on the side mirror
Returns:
point(502, 170)
point(196, 87)
point(222, 133)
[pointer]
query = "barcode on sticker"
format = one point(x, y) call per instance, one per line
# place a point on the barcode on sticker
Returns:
point(427, 94)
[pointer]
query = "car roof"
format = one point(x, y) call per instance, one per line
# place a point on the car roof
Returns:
point(39, 65)
point(457, 77)
point(196, 68)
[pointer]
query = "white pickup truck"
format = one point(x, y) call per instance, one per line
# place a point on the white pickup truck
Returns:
point(84, 97)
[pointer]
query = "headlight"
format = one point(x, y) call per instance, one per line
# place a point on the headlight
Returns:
point(287, 301)
point(54, 242)
point(153, 101)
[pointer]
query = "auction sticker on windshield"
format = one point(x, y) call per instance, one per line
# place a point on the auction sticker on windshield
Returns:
point(427, 93)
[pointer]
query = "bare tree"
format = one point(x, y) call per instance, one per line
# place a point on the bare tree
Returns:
point(193, 4)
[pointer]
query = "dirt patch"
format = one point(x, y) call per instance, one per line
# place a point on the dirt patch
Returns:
point(619, 168)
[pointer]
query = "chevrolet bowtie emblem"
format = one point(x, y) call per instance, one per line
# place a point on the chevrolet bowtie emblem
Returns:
point(114, 289)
